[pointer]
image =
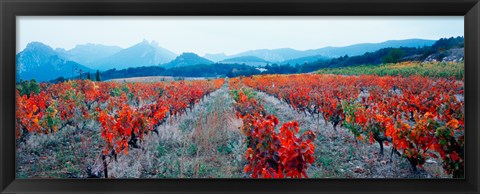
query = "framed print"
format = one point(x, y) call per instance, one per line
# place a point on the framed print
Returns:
point(230, 96)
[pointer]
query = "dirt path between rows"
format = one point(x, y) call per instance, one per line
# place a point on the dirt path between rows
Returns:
point(203, 143)
point(338, 155)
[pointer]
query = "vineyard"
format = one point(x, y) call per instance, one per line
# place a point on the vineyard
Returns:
point(421, 117)
point(270, 126)
point(126, 112)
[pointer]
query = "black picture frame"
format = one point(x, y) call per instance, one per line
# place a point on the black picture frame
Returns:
point(9, 9)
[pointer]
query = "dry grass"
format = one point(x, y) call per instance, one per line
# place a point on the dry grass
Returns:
point(65, 154)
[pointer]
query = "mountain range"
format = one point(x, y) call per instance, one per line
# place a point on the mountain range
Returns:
point(445, 50)
point(88, 54)
point(41, 62)
point(285, 54)
point(142, 54)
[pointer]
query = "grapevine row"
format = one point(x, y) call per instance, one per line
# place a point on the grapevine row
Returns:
point(422, 117)
point(126, 111)
point(271, 154)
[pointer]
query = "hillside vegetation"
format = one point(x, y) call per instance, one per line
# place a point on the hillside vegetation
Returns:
point(404, 69)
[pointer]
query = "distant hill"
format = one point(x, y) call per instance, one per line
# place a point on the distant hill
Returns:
point(274, 55)
point(285, 54)
point(247, 60)
point(445, 49)
point(360, 49)
point(215, 57)
point(142, 54)
point(40, 62)
point(303, 60)
point(87, 54)
point(187, 59)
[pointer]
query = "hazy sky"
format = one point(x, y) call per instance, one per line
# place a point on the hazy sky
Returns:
point(231, 35)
